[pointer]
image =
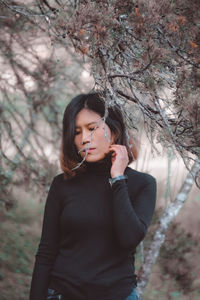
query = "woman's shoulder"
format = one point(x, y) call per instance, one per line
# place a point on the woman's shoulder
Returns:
point(137, 176)
point(61, 179)
point(57, 179)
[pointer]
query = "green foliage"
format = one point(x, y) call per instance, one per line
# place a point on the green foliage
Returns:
point(18, 244)
point(175, 294)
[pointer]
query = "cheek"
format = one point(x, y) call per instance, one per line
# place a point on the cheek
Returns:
point(105, 140)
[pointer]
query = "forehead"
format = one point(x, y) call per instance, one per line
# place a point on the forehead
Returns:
point(86, 117)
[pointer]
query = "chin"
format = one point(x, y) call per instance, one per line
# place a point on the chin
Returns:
point(91, 158)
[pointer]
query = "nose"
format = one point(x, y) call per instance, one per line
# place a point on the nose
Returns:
point(86, 137)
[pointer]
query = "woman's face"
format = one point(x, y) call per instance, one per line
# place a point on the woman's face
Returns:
point(92, 137)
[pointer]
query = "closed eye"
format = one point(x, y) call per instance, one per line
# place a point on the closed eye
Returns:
point(90, 129)
point(93, 128)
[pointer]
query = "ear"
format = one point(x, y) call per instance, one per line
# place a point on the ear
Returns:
point(113, 138)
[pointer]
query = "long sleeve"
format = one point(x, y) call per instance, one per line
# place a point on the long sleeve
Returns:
point(132, 212)
point(89, 229)
point(48, 246)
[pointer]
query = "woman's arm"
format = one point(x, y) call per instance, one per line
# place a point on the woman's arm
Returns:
point(132, 214)
point(48, 246)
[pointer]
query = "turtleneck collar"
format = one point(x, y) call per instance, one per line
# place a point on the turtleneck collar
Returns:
point(101, 167)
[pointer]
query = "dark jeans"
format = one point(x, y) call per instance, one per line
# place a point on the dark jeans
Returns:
point(54, 295)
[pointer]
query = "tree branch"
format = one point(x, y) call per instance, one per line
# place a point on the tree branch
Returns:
point(166, 219)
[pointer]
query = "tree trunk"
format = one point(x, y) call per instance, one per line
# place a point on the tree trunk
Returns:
point(159, 237)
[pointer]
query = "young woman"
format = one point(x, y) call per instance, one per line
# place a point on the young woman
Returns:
point(97, 211)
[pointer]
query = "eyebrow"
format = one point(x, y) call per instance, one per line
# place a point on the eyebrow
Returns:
point(94, 122)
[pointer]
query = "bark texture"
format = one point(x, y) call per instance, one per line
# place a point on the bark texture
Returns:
point(166, 219)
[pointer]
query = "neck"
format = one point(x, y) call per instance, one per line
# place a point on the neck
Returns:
point(101, 167)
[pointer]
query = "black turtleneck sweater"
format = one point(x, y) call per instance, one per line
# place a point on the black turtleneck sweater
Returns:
point(90, 233)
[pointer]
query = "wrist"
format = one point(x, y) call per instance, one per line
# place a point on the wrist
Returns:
point(116, 175)
point(117, 178)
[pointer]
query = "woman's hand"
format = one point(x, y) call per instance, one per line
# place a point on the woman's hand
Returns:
point(119, 160)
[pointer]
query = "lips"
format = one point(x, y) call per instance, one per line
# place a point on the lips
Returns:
point(89, 149)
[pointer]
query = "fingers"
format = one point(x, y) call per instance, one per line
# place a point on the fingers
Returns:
point(119, 159)
point(116, 146)
point(120, 149)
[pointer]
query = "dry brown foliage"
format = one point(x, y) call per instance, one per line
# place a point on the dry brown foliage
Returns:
point(146, 53)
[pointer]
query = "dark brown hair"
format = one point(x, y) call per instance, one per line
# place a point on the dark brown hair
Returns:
point(69, 156)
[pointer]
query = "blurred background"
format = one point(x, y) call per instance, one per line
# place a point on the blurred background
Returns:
point(37, 81)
